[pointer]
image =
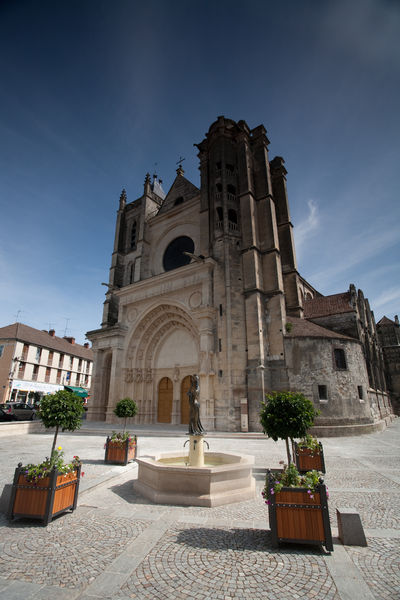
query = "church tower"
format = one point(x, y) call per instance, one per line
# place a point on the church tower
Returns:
point(243, 226)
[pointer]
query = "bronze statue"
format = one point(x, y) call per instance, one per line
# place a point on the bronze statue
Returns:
point(195, 426)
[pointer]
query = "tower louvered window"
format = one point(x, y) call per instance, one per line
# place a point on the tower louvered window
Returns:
point(133, 235)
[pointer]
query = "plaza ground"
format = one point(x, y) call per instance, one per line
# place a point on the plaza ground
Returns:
point(118, 545)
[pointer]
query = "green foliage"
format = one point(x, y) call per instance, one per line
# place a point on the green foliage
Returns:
point(289, 327)
point(290, 477)
point(35, 473)
point(126, 408)
point(287, 415)
point(62, 410)
point(309, 442)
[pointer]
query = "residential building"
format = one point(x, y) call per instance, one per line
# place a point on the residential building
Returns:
point(34, 363)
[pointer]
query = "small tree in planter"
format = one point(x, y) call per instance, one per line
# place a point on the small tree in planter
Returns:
point(50, 488)
point(308, 454)
point(121, 447)
point(298, 505)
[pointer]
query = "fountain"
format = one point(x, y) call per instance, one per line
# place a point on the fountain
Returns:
point(198, 479)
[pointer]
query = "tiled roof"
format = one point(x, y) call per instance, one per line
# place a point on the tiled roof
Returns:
point(323, 306)
point(304, 328)
point(386, 321)
point(24, 333)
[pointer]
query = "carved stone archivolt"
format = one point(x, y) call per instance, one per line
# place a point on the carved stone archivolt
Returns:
point(138, 375)
point(154, 327)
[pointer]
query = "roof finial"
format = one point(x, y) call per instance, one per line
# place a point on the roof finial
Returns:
point(122, 199)
point(147, 186)
point(179, 170)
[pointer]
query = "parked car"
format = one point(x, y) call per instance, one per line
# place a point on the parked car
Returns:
point(20, 410)
point(5, 416)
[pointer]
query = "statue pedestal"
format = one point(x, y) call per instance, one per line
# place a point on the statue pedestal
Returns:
point(196, 451)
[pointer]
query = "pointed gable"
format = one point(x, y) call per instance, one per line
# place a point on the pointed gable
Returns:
point(180, 192)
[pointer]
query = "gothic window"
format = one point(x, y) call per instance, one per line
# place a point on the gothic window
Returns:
point(174, 256)
point(230, 168)
point(340, 359)
point(132, 273)
point(133, 235)
point(232, 216)
point(220, 213)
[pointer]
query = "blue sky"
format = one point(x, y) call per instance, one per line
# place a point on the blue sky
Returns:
point(95, 93)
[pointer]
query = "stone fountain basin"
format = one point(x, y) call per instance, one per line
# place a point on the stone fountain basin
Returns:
point(225, 478)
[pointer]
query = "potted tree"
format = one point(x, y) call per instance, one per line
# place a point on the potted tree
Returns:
point(308, 454)
point(298, 504)
point(50, 488)
point(121, 447)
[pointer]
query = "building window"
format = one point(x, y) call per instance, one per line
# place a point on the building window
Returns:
point(58, 378)
point(360, 392)
point(47, 376)
point(21, 370)
point(1, 350)
point(340, 358)
point(80, 365)
point(60, 362)
point(71, 360)
point(38, 354)
point(25, 352)
point(322, 392)
point(50, 359)
point(179, 200)
point(133, 235)
point(35, 372)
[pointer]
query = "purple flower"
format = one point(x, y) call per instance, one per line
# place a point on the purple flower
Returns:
point(267, 502)
point(272, 490)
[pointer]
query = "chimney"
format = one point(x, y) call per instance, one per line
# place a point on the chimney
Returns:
point(52, 332)
point(86, 345)
point(396, 319)
point(71, 340)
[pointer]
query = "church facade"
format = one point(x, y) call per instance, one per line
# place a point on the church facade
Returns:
point(205, 281)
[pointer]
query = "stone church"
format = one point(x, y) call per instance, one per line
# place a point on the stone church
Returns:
point(206, 281)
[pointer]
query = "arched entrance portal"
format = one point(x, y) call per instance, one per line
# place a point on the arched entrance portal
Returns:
point(165, 397)
point(185, 386)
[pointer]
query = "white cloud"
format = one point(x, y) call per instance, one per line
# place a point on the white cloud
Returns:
point(307, 226)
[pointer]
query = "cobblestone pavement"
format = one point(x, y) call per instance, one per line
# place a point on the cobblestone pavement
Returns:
point(117, 545)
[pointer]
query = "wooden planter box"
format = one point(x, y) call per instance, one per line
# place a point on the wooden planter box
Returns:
point(119, 453)
point(50, 497)
point(308, 460)
point(297, 518)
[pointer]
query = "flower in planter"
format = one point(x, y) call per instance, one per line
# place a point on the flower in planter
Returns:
point(290, 477)
point(34, 473)
point(121, 438)
point(310, 443)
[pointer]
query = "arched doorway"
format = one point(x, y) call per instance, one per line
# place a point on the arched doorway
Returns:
point(165, 397)
point(185, 386)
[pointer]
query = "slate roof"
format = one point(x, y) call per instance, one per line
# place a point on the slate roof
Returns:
point(386, 321)
point(324, 306)
point(24, 333)
point(304, 328)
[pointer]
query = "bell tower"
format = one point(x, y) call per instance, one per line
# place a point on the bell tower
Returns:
point(240, 231)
